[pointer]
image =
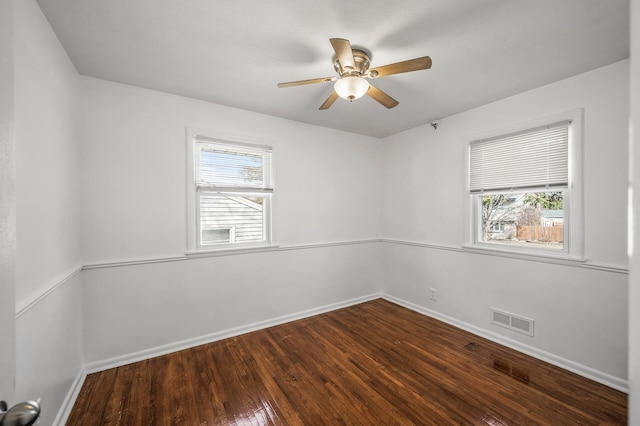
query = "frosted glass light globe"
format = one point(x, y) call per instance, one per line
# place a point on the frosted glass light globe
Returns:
point(351, 87)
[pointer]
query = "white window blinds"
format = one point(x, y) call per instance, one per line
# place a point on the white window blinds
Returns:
point(222, 167)
point(535, 158)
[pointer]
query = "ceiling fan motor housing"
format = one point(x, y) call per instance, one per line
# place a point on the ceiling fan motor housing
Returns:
point(361, 61)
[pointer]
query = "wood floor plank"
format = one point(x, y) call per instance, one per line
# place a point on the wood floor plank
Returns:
point(373, 363)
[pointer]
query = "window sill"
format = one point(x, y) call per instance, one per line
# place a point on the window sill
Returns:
point(559, 259)
point(195, 254)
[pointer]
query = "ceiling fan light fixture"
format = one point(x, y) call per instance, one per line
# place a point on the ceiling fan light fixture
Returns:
point(351, 87)
point(352, 66)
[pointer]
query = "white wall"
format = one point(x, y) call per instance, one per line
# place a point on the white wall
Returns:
point(134, 173)
point(47, 178)
point(7, 206)
point(153, 308)
point(133, 156)
point(580, 313)
point(634, 234)
point(48, 346)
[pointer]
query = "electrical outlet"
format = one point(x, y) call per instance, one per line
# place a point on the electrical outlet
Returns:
point(433, 293)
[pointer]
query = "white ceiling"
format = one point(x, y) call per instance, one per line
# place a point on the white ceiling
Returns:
point(235, 52)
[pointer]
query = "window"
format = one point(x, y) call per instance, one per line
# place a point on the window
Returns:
point(496, 227)
point(523, 191)
point(230, 193)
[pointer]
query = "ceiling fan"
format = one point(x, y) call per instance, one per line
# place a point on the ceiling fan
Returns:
point(352, 66)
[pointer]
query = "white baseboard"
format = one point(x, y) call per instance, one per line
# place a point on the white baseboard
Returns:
point(70, 399)
point(93, 367)
point(582, 370)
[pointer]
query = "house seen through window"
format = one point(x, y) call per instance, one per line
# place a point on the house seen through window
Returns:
point(233, 189)
point(519, 184)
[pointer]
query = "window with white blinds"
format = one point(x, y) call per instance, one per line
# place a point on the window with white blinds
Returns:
point(535, 158)
point(525, 188)
point(233, 186)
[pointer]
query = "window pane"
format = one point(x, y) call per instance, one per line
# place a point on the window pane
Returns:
point(216, 236)
point(233, 166)
point(231, 169)
point(226, 218)
point(533, 219)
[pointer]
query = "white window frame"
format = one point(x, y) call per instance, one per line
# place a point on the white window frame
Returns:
point(573, 195)
point(193, 208)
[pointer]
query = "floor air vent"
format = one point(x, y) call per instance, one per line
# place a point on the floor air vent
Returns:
point(512, 322)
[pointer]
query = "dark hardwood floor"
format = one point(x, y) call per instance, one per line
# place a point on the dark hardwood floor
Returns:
point(371, 364)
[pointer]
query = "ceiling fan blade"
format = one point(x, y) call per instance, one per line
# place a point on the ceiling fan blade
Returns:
point(382, 97)
point(344, 53)
point(310, 81)
point(330, 100)
point(400, 67)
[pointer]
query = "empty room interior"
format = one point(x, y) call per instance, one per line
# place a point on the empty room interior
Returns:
point(380, 212)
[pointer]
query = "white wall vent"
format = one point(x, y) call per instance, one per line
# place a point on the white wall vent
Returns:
point(512, 322)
